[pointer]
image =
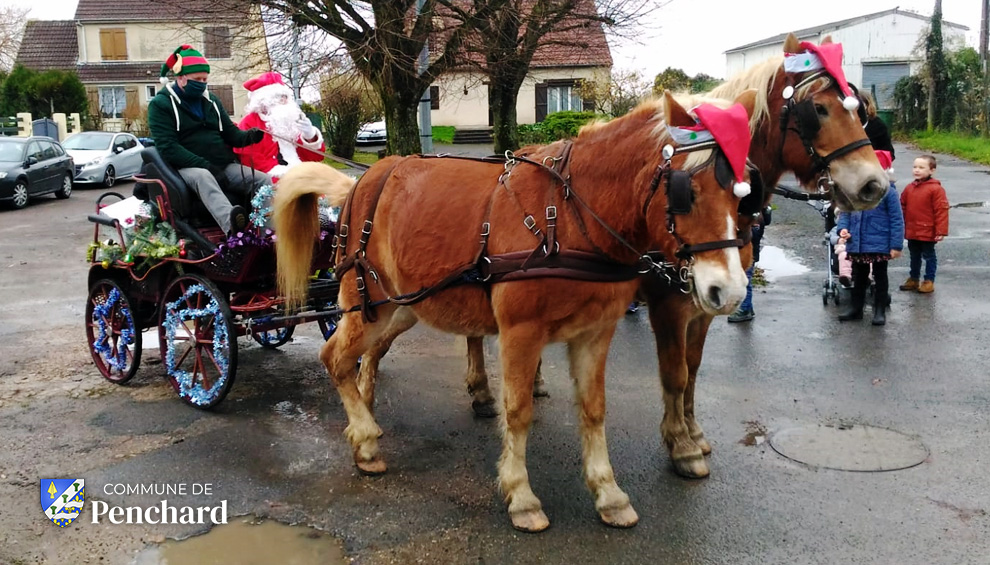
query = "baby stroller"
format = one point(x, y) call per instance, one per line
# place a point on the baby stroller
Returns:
point(821, 203)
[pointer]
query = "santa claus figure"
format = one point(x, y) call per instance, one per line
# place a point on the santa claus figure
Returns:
point(289, 135)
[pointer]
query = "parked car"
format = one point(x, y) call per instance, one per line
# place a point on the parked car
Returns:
point(104, 157)
point(147, 141)
point(32, 166)
point(372, 133)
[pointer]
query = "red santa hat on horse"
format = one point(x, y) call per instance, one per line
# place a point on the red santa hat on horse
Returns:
point(290, 138)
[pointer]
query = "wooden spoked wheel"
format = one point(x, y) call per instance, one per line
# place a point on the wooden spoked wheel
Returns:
point(198, 340)
point(113, 336)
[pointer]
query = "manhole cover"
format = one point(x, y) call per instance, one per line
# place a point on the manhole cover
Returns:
point(849, 447)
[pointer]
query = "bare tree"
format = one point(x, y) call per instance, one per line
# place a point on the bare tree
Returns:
point(517, 29)
point(384, 39)
point(12, 21)
point(618, 94)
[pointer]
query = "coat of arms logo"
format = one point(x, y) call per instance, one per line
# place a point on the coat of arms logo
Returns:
point(62, 500)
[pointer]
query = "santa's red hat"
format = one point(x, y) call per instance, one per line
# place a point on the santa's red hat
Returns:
point(264, 88)
point(827, 57)
point(730, 128)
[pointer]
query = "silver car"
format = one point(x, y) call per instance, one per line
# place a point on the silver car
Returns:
point(103, 157)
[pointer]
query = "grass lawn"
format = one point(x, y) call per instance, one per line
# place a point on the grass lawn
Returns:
point(443, 134)
point(366, 157)
point(967, 147)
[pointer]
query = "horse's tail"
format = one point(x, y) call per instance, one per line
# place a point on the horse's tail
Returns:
point(297, 222)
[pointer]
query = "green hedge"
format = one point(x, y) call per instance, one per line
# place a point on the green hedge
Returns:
point(559, 125)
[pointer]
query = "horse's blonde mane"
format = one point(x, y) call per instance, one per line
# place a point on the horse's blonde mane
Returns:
point(659, 131)
point(758, 77)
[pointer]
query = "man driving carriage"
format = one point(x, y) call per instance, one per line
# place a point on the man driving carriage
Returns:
point(194, 134)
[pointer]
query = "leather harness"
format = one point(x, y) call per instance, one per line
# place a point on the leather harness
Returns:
point(547, 259)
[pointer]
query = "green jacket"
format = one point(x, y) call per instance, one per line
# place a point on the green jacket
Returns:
point(184, 140)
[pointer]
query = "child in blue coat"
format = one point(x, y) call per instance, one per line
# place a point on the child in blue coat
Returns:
point(872, 237)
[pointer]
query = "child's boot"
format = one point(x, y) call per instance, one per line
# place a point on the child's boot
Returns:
point(880, 303)
point(910, 284)
point(927, 286)
point(854, 311)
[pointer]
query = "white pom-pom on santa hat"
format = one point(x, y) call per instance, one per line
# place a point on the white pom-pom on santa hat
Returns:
point(163, 80)
point(850, 103)
point(741, 189)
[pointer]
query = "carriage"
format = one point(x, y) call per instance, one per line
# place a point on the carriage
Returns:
point(173, 269)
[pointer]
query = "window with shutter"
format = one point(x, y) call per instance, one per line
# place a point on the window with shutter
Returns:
point(216, 42)
point(541, 101)
point(434, 98)
point(113, 44)
point(225, 93)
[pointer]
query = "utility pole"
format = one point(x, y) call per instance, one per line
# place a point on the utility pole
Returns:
point(984, 66)
point(294, 68)
point(425, 119)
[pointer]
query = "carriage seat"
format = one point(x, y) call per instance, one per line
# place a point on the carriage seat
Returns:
point(184, 201)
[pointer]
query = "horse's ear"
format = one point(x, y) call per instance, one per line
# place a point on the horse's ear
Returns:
point(791, 44)
point(674, 113)
point(826, 40)
point(748, 100)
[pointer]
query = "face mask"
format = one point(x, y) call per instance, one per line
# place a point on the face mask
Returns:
point(194, 89)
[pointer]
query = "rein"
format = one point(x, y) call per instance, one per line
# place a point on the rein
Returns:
point(800, 112)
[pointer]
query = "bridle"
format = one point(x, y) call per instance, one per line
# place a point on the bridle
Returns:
point(680, 200)
point(807, 127)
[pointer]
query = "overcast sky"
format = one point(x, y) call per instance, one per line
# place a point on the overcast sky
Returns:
point(694, 34)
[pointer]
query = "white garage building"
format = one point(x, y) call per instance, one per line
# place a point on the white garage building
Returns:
point(878, 49)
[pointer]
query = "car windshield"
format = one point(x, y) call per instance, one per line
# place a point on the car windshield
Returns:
point(11, 151)
point(88, 142)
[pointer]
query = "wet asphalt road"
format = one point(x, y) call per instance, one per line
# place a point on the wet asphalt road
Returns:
point(275, 446)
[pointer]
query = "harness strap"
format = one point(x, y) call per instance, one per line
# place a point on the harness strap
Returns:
point(359, 259)
point(568, 264)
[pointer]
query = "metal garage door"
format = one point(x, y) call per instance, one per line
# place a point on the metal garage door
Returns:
point(880, 78)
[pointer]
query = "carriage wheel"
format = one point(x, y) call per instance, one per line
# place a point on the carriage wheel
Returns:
point(114, 339)
point(328, 325)
point(825, 295)
point(198, 342)
point(273, 339)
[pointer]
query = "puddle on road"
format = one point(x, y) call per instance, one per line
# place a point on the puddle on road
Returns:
point(776, 264)
point(249, 542)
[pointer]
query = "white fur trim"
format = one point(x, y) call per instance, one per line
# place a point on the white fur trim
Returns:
point(741, 189)
point(315, 145)
point(850, 103)
point(163, 80)
point(288, 151)
point(262, 96)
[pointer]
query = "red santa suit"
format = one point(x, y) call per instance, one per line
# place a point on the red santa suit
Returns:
point(272, 109)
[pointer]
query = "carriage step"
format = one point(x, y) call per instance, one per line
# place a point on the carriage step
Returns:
point(473, 136)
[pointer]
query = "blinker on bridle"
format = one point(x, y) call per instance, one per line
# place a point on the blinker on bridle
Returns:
point(680, 199)
point(808, 126)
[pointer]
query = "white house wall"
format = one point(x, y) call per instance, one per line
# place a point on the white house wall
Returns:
point(153, 42)
point(464, 96)
point(893, 37)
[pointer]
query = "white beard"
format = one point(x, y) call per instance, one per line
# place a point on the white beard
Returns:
point(281, 120)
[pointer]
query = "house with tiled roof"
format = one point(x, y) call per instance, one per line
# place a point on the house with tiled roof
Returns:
point(574, 52)
point(117, 49)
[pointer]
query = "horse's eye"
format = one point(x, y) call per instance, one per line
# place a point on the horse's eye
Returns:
point(822, 110)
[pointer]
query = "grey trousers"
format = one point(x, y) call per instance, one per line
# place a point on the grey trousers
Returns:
point(242, 181)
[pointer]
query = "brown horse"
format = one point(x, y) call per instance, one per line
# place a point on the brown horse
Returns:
point(610, 210)
point(680, 326)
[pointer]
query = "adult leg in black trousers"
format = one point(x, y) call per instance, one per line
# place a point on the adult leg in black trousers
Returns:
point(881, 296)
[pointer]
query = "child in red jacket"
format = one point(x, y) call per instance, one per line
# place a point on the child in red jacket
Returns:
point(926, 221)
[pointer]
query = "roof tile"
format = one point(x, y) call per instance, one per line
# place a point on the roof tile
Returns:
point(49, 44)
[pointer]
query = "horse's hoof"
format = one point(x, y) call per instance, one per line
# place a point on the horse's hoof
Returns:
point(706, 448)
point(691, 466)
point(484, 409)
point(624, 517)
point(530, 521)
point(374, 467)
